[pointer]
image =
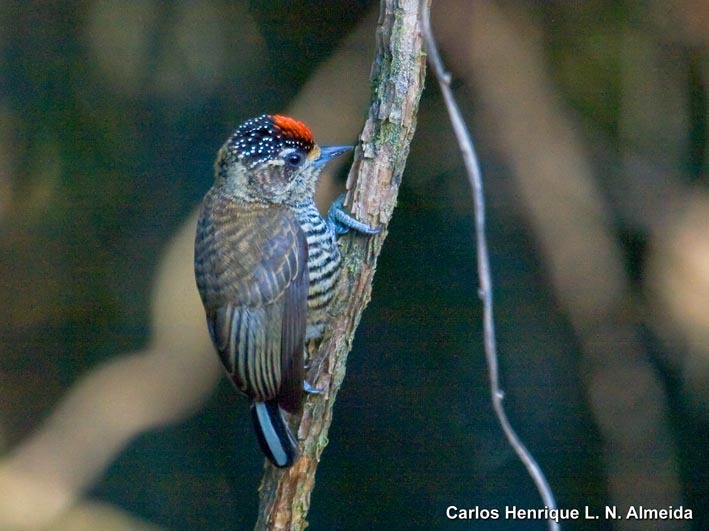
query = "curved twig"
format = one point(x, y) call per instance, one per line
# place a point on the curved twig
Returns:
point(485, 291)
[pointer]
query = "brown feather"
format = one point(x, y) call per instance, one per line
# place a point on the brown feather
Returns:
point(252, 274)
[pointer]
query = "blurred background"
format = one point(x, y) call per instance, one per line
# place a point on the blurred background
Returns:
point(591, 124)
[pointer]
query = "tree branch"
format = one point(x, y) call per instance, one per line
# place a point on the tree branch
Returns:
point(373, 183)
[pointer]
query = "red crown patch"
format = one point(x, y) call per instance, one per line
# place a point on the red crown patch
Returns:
point(293, 129)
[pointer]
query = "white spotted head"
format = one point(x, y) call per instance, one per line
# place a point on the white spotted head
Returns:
point(272, 159)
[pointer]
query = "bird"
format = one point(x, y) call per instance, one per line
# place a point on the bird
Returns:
point(266, 264)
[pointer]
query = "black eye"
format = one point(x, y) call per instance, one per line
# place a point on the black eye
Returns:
point(294, 159)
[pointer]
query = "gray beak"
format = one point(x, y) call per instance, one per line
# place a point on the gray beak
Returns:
point(327, 153)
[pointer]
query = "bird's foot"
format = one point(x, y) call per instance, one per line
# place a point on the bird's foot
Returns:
point(309, 389)
point(341, 222)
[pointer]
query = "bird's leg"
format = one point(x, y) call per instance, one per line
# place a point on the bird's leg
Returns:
point(307, 386)
point(341, 222)
point(311, 345)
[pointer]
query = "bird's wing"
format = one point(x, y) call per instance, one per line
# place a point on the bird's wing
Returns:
point(252, 274)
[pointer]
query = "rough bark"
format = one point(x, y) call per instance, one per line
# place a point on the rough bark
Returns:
point(373, 183)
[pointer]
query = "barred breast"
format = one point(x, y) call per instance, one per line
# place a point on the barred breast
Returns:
point(323, 266)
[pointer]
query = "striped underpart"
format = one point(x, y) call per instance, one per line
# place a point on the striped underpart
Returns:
point(323, 266)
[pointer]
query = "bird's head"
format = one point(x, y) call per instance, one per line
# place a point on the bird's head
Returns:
point(272, 159)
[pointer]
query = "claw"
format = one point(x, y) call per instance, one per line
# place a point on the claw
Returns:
point(341, 222)
point(309, 389)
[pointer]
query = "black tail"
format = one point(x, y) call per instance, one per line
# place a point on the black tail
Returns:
point(274, 435)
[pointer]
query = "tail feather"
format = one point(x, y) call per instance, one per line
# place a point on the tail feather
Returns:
point(274, 435)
